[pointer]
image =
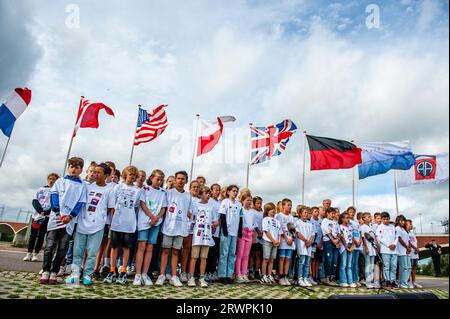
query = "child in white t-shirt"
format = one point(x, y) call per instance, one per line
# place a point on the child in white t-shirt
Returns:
point(214, 251)
point(175, 228)
point(358, 245)
point(271, 240)
point(403, 251)
point(347, 244)
point(230, 216)
point(129, 198)
point(256, 250)
point(287, 245)
point(148, 226)
point(414, 254)
point(387, 239)
point(206, 219)
point(370, 251)
point(91, 222)
point(305, 233)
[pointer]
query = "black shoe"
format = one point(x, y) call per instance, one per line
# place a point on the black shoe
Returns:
point(96, 275)
point(223, 280)
point(229, 281)
point(105, 271)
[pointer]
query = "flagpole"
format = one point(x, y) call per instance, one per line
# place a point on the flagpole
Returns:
point(134, 137)
point(195, 146)
point(4, 151)
point(75, 130)
point(247, 176)
point(396, 192)
point(353, 182)
point(304, 168)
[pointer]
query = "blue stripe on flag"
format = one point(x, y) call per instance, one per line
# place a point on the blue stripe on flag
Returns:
point(376, 163)
point(7, 120)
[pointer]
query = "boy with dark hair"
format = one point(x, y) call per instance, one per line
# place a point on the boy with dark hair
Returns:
point(387, 239)
point(67, 198)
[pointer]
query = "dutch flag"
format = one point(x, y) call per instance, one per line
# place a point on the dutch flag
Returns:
point(12, 108)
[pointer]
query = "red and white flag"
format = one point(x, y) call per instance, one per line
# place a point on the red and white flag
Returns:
point(210, 133)
point(88, 114)
point(428, 169)
point(150, 124)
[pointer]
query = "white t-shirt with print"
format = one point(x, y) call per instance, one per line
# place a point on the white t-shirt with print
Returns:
point(328, 227)
point(232, 211)
point(177, 222)
point(109, 217)
point(203, 215)
point(271, 225)
point(94, 214)
point(155, 200)
point(413, 241)
point(258, 220)
point(249, 219)
point(216, 233)
point(386, 236)
point(128, 199)
point(366, 229)
point(403, 234)
point(43, 197)
point(305, 228)
point(347, 233)
point(356, 229)
point(284, 220)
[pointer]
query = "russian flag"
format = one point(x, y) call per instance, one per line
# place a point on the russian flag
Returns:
point(12, 108)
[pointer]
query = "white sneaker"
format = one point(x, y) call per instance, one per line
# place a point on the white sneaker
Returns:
point(168, 277)
point(40, 272)
point(73, 279)
point(147, 280)
point(417, 285)
point(191, 281)
point(300, 282)
point(411, 285)
point(68, 269)
point(240, 279)
point(344, 285)
point(34, 257)
point(272, 280)
point(246, 279)
point(203, 282)
point(133, 267)
point(61, 271)
point(27, 257)
point(264, 279)
point(307, 283)
point(353, 285)
point(129, 272)
point(357, 284)
point(160, 280)
point(175, 281)
point(137, 280)
point(183, 277)
point(312, 281)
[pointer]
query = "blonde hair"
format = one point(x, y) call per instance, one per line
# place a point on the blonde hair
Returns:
point(244, 192)
point(268, 207)
point(129, 170)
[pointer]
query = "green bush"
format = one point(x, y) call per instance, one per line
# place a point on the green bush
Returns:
point(428, 269)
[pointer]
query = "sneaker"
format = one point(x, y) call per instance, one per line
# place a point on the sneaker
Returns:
point(307, 283)
point(403, 287)
point(68, 270)
point(168, 277)
point(257, 275)
point(133, 268)
point(87, 280)
point(175, 281)
point(283, 282)
point(207, 276)
point(203, 282)
point(105, 271)
point(417, 285)
point(312, 281)
point(27, 257)
point(110, 278)
point(326, 281)
point(137, 280)
point(344, 285)
point(160, 280)
point(240, 279)
point(353, 285)
point(357, 284)
point(223, 280)
point(41, 272)
point(61, 271)
point(147, 280)
point(183, 277)
point(215, 276)
point(300, 282)
point(410, 285)
point(263, 279)
point(191, 281)
point(122, 279)
point(129, 272)
point(53, 278)
point(394, 286)
point(272, 280)
point(251, 276)
point(96, 274)
point(246, 279)
point(44, 278)
point(333, 283)
point(73, 279)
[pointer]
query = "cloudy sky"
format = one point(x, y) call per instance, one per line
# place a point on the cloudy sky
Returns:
point(318, 63)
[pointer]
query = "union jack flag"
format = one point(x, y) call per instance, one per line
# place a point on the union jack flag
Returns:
point(270, 141)
point(150, 125)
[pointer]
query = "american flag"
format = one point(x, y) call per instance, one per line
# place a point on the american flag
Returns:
point(150, 125)
point(270, 141)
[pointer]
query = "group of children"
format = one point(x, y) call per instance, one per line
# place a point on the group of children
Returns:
point(113, 224)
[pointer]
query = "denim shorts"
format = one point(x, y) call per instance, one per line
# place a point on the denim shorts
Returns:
point(149, 235)
point(285, 253)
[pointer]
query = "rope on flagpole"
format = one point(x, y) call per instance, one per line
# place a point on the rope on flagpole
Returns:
point(247, 177)
point(75, 130)
point(4, 151)
point(195, 146)
point(304, 168)
point(134, 136)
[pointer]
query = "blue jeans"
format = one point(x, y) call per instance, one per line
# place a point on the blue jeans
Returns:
point(390, 266)
point(345, 268)
point(330, 258)
point(369, 268)
point(227, 256)
point(90, 244)
point(355, 265)
point(69, 254)
point(303, 267)
point(321, 270)
point(404, 270)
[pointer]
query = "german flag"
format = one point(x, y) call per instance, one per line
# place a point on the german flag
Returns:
point(329, 153)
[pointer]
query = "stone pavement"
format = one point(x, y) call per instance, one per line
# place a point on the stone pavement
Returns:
point(25, 285)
